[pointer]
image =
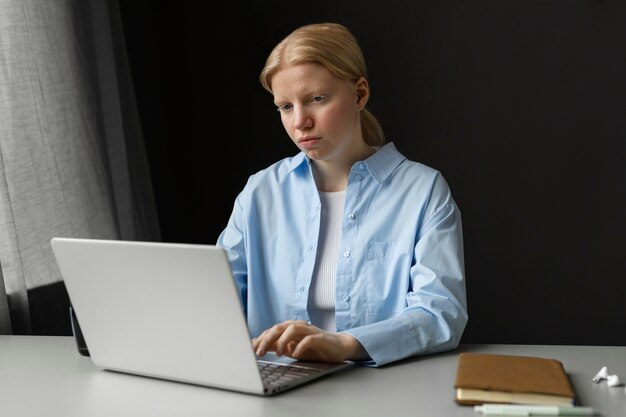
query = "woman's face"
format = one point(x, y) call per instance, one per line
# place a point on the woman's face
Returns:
point(319, 111)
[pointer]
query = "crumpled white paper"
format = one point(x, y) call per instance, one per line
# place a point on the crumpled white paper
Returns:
point(611, 380)
point(602, 374)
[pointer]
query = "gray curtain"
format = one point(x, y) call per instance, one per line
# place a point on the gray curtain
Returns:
point(72, 159)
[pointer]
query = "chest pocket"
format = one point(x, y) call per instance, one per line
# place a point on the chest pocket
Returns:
point(384, 289)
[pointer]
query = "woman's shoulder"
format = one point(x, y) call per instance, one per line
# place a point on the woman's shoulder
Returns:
point(413, 176)
point(277, 171)
point(420, 168)
point(406, 165)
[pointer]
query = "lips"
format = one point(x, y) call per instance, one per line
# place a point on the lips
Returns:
point(308, 142)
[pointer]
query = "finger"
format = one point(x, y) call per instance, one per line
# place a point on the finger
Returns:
point(291, 336)
point(257, 340)
point(267, 340)
point(290, 347)
point(306, 349)
point(287, 338)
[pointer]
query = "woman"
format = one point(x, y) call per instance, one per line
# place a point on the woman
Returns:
point(347, 250)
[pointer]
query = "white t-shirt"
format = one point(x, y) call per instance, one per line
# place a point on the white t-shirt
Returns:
point(321, 305)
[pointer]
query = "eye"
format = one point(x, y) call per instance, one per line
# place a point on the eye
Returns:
point(318, 98)
point(284, 107)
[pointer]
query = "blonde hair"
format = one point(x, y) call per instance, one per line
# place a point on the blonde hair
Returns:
point(333, 46)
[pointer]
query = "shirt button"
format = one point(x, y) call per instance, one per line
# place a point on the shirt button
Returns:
point(346, 254)
point(358, 178)
point(351, 216)
point(310, 248)
point(346, 298)
point(301, 289)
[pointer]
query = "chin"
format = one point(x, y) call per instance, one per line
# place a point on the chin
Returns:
point(314, 154)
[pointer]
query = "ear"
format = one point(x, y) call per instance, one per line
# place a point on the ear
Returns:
point(362, 92)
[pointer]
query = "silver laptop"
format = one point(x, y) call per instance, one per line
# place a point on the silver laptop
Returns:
point(170, 311)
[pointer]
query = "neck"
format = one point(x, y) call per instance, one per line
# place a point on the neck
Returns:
point(331, 176)
point(330, 180)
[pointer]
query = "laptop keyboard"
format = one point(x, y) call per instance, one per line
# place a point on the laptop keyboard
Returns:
point(275, 375)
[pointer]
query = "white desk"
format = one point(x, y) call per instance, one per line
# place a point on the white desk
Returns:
point(45, 376)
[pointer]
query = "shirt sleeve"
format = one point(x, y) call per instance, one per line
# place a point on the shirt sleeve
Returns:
point(436, 312)
point(232, 240)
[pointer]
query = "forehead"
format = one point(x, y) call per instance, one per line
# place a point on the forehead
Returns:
point(302, 79)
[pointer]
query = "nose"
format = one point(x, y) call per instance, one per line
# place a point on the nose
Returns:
point(302, 119)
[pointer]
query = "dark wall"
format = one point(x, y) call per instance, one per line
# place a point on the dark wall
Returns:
point(520, 104)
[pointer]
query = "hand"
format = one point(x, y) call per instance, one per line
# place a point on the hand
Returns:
point(301, 340)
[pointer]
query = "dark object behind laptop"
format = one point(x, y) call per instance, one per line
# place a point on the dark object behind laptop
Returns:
point(78, 334)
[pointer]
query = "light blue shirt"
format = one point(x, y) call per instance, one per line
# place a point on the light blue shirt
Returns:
point(400, 286)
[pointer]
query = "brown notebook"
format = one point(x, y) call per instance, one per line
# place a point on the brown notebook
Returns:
point(491, 378)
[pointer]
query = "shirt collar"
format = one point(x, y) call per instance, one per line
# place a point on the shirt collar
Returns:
point(380, 165)
point(384, 162)
point(298, 160)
